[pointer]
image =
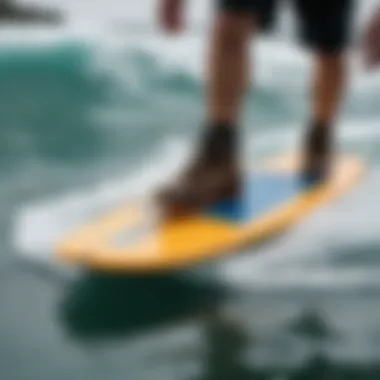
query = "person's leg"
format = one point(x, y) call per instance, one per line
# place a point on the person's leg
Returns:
point(229, 64)
point(228, 67)
point(329, 83)
point(214, 174)
point(328, 87)
point(325, 27)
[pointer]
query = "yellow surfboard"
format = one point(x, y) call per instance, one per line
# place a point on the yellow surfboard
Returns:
point(273, 200)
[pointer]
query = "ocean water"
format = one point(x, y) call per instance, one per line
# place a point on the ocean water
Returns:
point(106, 107)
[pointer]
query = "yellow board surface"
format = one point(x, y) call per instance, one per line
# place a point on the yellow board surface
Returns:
point(113, 242)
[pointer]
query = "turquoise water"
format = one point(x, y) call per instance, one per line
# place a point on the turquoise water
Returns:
point(90, 119)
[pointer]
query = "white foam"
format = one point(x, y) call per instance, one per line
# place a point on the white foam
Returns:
point(39, 226)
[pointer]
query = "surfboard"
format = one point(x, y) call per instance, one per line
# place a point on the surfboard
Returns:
point(274, 199)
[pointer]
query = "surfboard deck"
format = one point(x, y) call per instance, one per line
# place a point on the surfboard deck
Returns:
point(273, 200)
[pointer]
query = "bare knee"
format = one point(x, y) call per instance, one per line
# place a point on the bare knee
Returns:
point(331, 59)
point(233, 30)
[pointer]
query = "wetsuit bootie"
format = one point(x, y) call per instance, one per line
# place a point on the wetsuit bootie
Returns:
point(212, 176)
point(317, 154)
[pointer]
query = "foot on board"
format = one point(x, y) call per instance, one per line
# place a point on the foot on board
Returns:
point(212, 176)
point(317, 155)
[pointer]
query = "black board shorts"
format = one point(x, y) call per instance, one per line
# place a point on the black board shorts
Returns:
point(323, 25)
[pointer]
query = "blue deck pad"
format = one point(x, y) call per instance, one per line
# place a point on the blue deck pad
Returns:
point(261, 194)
